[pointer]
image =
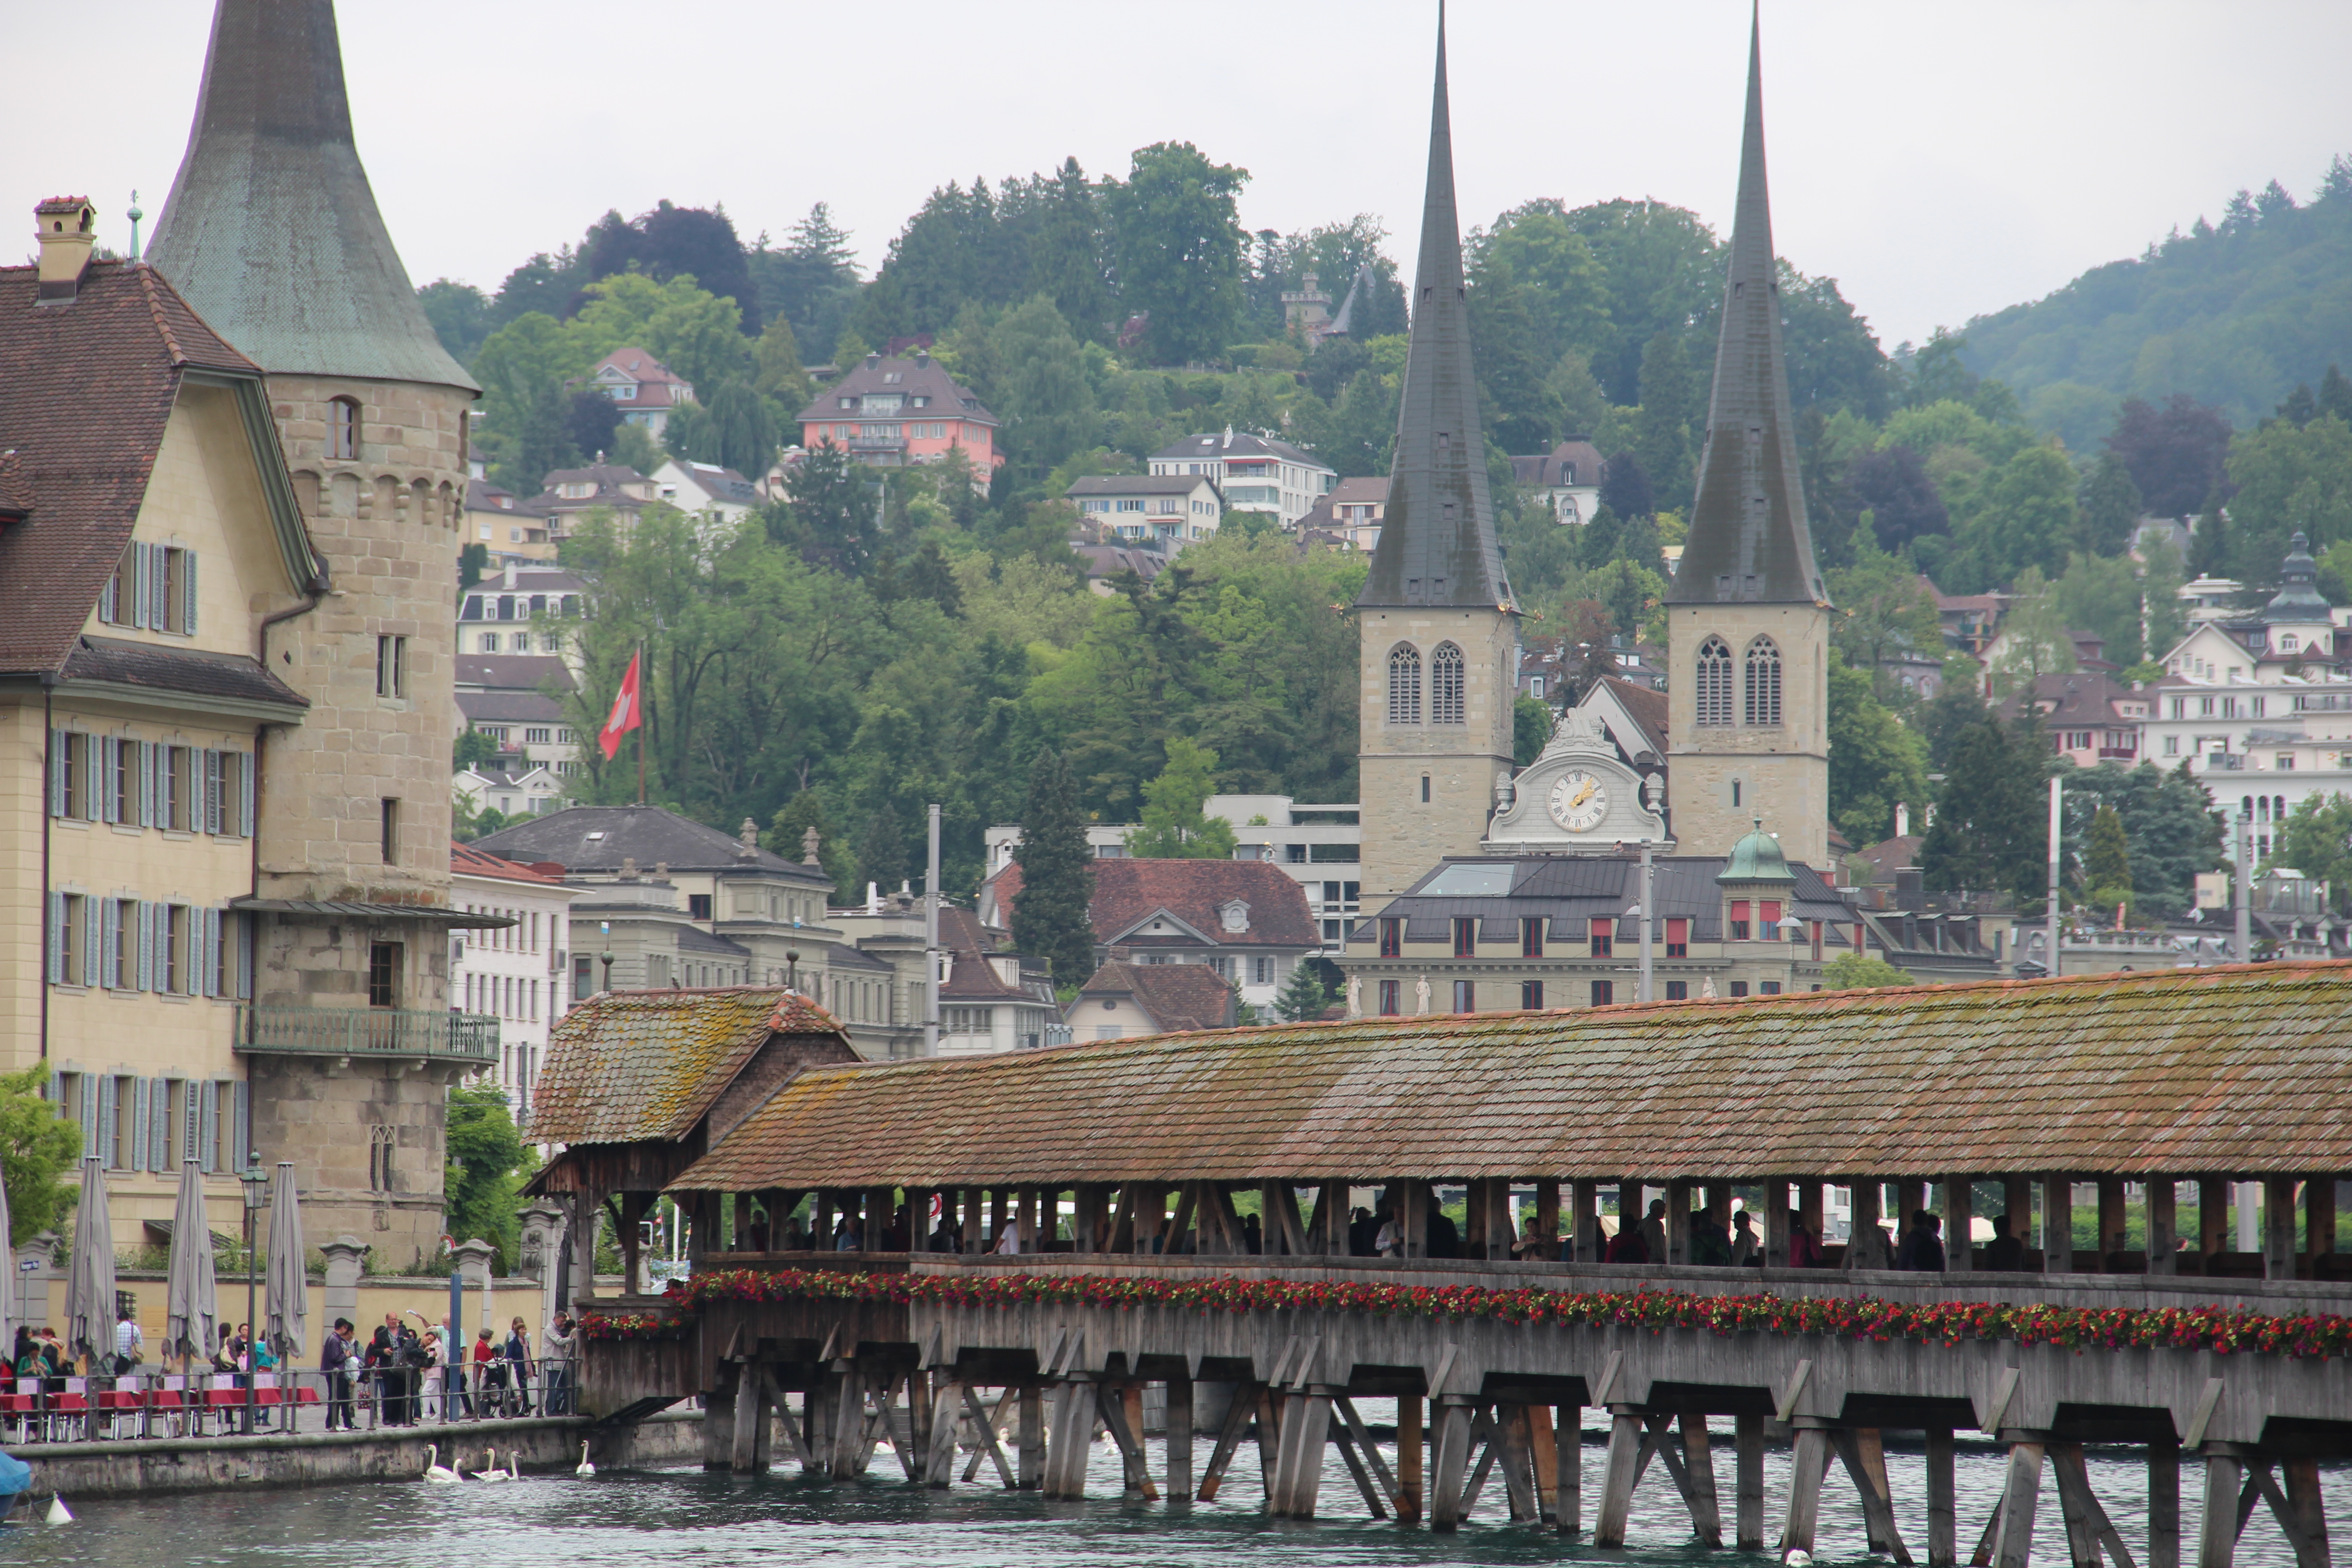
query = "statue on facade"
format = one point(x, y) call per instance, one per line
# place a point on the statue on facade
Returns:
point(809, 842)
point(1421, 994)
point(1355, 997)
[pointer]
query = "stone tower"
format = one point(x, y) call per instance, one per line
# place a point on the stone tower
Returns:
point(1439, 634)
point(1747, 695)
point(271, 232)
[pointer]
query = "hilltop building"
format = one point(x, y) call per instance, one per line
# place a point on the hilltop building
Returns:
point(891, 413)
point(1252, 473)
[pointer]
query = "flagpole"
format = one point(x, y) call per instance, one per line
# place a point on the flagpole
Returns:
point(641, 724)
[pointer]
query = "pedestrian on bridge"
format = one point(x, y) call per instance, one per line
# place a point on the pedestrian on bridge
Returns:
point(2004, 1253)
point(1653, 1233)
point(1743, 1240)
point(335, 1362)
point(1922, 1251)
point(562, 1345)
point(1804, 1246)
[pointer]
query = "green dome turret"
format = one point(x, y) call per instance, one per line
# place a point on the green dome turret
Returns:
point(1757, 858)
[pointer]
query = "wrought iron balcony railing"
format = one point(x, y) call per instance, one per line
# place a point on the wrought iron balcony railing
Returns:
point(368, 1031)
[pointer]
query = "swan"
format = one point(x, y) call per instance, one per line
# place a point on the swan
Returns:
point(491, 1471)
point(434, 1471)
point(584, 1469)
point(512, 1473)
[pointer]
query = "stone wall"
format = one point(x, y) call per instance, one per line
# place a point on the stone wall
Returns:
point(1404, 836)
point(326, 1115)
point(1782, 772)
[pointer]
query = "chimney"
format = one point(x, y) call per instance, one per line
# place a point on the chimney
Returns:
point(510, 576)
point(872, 360)
point(67, 229)
point(1229, 435)
point(923, 358)
point(1902, 820)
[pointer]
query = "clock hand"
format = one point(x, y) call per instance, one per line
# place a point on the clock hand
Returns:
point(1585, 793)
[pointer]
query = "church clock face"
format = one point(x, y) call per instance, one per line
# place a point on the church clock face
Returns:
point(1579, 801)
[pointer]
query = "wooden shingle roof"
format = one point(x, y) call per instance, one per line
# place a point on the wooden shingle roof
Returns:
point(2244, 1070)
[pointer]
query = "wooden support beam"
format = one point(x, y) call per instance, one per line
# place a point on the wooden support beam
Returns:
point(2021, 1486)
point(2115, 1221)
point(2217, 1543)
point(1960, 1205)
point(1865, 1245)
point(2079, 1503)
point(1548, 1218)
point(1075, 1407)
point(2057, 1227)
point(993, 1426)
point(2164, 1505)
point(719, 1419)
point(2212, 1216)
point(1748, 1472)
point(886, 1419)
point(2302, 1513)
point(848, 1420)
point(1679, 1226)
point(1269, 1444)
point(1865, 1454)
point(1412, 1453)
point(1029, 1443)
point(1516, 1449)
point(1943, 1500)
point(946, 1410)
point(1355, 1463)
point(2162, 1223)
point(751, 1419)
point(1450, 1460)
point(1318, 1220)
point(818, 1407)
point(1776, 1223)
point(1630, 1212)
point(1809, 1461)
point(1486, 1442)
point(1699, 1463)
point(1475, 1213)
point(1619, 1476)
point(2318, 1219)
point(1333, 1206)
point(1363, 1438)
point(1306, 1436)
point(1188, 1199)
point(1282, 1204)
point(1122, 1417)
point(2278, 1227)
point(1568, 1435)
point(1180, 1439)
point(1229, 1442)
point(1586, 1243)
point(1544, 1448)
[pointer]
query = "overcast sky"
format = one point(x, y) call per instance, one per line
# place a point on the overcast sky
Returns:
point(1939, 161)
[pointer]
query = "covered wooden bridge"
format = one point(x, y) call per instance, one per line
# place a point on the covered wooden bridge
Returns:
point(2155, 1097)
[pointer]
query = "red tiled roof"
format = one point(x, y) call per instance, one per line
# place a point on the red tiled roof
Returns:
point(85, 391)
point(1179, 997)
point(2242, 1070)
point(1194, 892)
point(467, 860)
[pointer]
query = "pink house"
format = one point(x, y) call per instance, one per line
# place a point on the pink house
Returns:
point(891, 413)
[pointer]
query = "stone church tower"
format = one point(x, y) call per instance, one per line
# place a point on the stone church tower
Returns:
point(1747, 694)
point(271, 232)
point(1439, 632)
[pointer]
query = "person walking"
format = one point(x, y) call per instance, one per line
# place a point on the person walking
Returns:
point(130, 1344)
point(516, 1351)
point(1654, 1232)
point(489, 1375)
point(1804, 1246)
point(562, 1346)
point(1743, 1239)
point(334, 1366)
point(1922, 1251)
point(2004, 1253)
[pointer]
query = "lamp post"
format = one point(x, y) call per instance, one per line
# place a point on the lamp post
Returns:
point(257, 1187)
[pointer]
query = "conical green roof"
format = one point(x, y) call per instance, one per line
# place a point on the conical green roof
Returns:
point(1757, 858)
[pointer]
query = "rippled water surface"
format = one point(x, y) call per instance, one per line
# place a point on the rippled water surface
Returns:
point(689, 1518)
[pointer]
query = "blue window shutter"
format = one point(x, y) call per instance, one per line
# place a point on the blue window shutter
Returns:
point(248, 785)
point(106, 601)
point(110, 954)
point(93, 930)
point(57, 939)
point(106, 1113)
point(242, 1123)
point(208, 768)
point(212, 952)
point(191, 1123)
point(159, 1124)
point(138, 576)
point(89, 1082)
point(59, 739)
point(144, 936)
point(103, 791)
point(138, 1141)
point(208, 1124)
point(93, 791)
point(188, 581)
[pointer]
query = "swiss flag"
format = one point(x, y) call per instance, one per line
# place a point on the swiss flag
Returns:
point(626, 714)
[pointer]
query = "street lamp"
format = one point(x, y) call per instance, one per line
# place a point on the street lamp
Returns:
point(256, 1189)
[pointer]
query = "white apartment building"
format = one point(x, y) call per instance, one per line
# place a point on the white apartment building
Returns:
point(1166, 512)
point(1318, 846)
point(2262, 749)
point(1253, 473)
point(514, 973)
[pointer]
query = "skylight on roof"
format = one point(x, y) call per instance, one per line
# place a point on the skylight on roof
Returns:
point(595, 835)
point(1469, 882)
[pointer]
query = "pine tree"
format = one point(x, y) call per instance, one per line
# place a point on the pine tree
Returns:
point(1051, 919)
point(882, 850)
point(1303, 996)
point(2106, 861)
point(1989, 833)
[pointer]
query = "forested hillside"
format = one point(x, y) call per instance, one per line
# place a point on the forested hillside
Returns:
point(2234, 314)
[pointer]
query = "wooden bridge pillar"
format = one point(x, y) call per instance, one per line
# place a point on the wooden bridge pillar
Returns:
point(2021, 1489)
point(2212, 1216)
point(2114, 1220)
point(752, 1417)
point(2057, 1224)
point(719, 1420)
point(1863, 1453)
point(1865, 1243)
point(2225, 1473)
point(1747, 1464)
point(1809, 1463)
point(1679, 1226)
point(1412, 1453)
point(1568, 1506)
point(2163, 1224)
point(1960, 1219)
point(1452, 1460)
point(1180, 1439)
point(1299, 1465)
point(1030, 1460)
point(1071, 1437)
point(1585, 1244)
point(2278, 1227)
point(1943, 1514)
point(1699, 1463)
point(1776, 1222)
point(849, 1447)
point(1618, 1476)
point(2164, 1503)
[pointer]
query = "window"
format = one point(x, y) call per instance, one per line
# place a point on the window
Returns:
point(698, 906)
point(1738, 925)
point(380, 1146)
point(583, 977)
point(1739, 988)
point(71, 963)
point(2172, 745)
point(1425, 789)
point(1605, 937)
point(536, 737)
point(1763, 688)
point(1604, 993)
point(1767, 988)
point(2286, 761)
point(1392, 937)
point(1404, 689)
point(383, 973)
point(2180, 708)
point(489, 642)
point(1465, 996)
point(1532, 995)
point(1768, 917)
point(343, 430)
point(1734, 794)
point(1390, 994)
point(1262, 969)
point(1535, 687)
point(1677, 989)
point(389, 830)
point(391, 667)
point(1465, 937)
point(1445, 704)
point(1713, 686)
point(1678, 939)
point(1531, 939)
point(173, 966)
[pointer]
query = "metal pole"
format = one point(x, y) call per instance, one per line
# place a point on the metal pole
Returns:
point(2057, 827)
point(252, 1361)
point(1649, 910)
point(931, 939)
point(2240, 846)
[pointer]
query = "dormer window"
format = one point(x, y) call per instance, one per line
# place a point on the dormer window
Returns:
point(893, 378)
point(343, 429)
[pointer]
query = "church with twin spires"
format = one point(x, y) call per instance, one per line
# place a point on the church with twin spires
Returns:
point(1487, 887)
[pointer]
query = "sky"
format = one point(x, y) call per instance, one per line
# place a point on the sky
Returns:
point(1940, 160)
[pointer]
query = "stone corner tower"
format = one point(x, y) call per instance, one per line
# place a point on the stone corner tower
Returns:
point(272, 234)
point(1747, 689)
point(1438, 630)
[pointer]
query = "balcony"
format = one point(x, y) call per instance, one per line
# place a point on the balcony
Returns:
point(2225, 761)
point(466, 1037)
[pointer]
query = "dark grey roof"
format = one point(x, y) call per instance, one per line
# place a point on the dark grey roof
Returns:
point(117, 662)
point(1236, 444)
point(1437, 538)
point(512, 672)
point(343, 909)
point(599, 838)
point(2298, 598)
point(1749, 539)
point(842, 955)
point(1343, 319)
point(693, 939)
point(270, 230)
point(509, 707)
point(922, 376)
point(1139, 484)
point(1570, 890)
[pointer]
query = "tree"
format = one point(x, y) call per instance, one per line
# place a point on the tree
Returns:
point(1051, 919)
point(480, 1178)
point(2288, 478)
point(1532, 721)
point(472, 562)
point(2023, 516)
point(787, 836)
point(1303, 996)
point(2106, 509)
point(830, 507)
point(1048, 405)
point(882, 851)
point(1177, 237)
point(777, 373)
point(2170, 830)
point(1673, 406)
point(2033, 640)
point(1989, 832)
point(2101, 594)
point(737, 431)
point(1860, 972)
point(2316, 841)
point(1875, 764)
point(1957, 703)
point(1625, 487)
point(1174, 827)
point(1567, 293)
point(460, 314)
point(677, 242)
point(472, 749)
point(2107, 862)
point(1517, 406)
point(2174, 454)
point(1892, 485)
point(38, 1148)
point(589, 420)
point(1884, 612)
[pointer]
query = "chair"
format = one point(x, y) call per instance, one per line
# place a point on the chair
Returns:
point(72, 1406)
point(125, 1398)
point(168, 1394)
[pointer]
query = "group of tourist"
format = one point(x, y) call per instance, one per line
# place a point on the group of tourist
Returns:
point(425, 1372)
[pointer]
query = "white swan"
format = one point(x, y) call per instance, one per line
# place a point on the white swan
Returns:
point(434, 1471)
point(512, 1473)
point(584, 1468)
point(491, 1471)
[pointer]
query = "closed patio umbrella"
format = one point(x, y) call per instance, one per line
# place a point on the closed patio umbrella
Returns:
point(89, 1278)
point(12, 1308)
point(285, 1306)
point(192, 1305)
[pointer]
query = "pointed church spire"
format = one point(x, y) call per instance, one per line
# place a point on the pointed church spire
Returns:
point(270, 230)
point(1749, 539)
point(1437, 536)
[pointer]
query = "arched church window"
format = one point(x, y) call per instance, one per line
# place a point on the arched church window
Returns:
point(1763, 705)
point(1445, 705)
point(1404, 684)
point(343, 429)
point(1713, 685)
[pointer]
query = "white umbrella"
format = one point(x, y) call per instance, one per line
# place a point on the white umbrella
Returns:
point(89, 1278)
point(192, 1305)
point(11, 1308)
point(286, 1308)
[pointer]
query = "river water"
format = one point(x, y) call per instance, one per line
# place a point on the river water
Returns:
point(687, 1518)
